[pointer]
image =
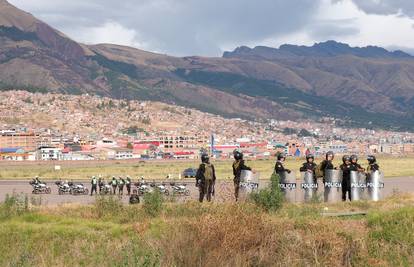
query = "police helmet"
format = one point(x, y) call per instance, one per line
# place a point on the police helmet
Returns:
point(205, 158)
point(329, 153)
point(237, 155)
point(346, 158)
point(281, 156)
point(371, 159)
point(354, 157)
point(310, 156)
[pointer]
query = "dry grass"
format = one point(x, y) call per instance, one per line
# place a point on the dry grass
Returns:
point(194, 234)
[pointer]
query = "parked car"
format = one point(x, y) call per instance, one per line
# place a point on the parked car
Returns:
point(189, 173)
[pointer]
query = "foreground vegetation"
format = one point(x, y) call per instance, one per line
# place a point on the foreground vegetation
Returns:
point(392, 167)
point(192, 234)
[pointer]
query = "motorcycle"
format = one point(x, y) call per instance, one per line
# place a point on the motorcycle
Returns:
point(180, 189)
point(63, 188)
point(40, 187)
point(161, 188)
point(105, 189)
point(78, 189)
point(142, 188)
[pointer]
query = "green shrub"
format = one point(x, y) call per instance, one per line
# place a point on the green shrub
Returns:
point(14, 205)
point(269, 199)
point(108, 206)
point(153, 203)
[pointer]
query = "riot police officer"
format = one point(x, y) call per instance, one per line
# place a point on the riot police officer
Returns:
point(372, 164)
point(279, 168)
point(355, 164)
point(346, 168)
point(309, 166)
point(238, 166)
point(326, 164)
point(205, 178)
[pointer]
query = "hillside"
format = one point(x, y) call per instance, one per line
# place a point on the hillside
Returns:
point(360, 86)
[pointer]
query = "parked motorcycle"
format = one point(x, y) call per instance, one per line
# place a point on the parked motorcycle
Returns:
point(40, 187)
point(142, 188)
point(79, 189)
point(105, 189)
point(63, 187)
point(162, 188)
point(180, 189)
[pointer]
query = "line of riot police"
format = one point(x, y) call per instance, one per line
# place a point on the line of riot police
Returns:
point(349, 180)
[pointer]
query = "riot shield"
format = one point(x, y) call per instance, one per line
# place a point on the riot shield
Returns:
point(249, 181)
point(287, 184)
point(358, 185)
point(375, 184)
point(333, 184)
point(309, 187)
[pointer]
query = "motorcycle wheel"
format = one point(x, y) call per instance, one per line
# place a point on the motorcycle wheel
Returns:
point(187, 192)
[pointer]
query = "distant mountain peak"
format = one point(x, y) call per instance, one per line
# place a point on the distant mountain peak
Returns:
point(322, 49)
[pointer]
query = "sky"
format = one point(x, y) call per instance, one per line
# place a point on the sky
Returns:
point(210, 27)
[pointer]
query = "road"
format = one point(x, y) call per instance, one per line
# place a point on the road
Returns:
point(224, 191)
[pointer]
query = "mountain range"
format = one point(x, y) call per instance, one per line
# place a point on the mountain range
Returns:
point(368, 86)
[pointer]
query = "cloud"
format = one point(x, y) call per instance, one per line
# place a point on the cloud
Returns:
point(386, 7)
point(331, 29)
point(179, 27)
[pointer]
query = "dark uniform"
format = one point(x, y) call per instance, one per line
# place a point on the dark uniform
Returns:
point(327, 164)
point(238, 166)
point(346, 168)
point(279, 168)
point(114, 184)
point(94, 184)
point(205, 178)
point(355, 164)
point(372, 164)
point(309, 167)
point(128, 185)
point(121, 183)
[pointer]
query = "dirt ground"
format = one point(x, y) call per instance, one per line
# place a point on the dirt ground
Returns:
point(224, 191)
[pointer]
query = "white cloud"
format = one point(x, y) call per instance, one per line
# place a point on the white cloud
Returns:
point(207, 27)
point(109, 32)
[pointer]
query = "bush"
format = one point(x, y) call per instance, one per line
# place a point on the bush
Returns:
point(107, 206)
point(153, 203)
point(269, 199)
point(14, 205)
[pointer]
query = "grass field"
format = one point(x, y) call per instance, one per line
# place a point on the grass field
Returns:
point(391, 166)
point(193, 234)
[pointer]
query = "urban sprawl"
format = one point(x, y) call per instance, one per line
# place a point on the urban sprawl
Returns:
point(36, 126)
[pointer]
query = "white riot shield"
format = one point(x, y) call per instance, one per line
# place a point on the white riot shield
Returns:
point(358, 185)
point(375, 184)
point(333, 185)
point(249, 181)
point(309, 187)
point(287, 185)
